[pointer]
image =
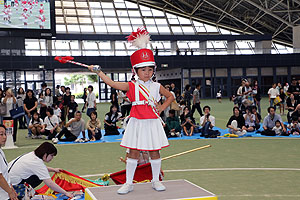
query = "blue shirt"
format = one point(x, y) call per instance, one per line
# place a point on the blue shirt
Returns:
point(270, 123)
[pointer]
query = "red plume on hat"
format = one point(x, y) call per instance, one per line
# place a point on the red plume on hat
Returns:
point(139, 39)
point(142, 57)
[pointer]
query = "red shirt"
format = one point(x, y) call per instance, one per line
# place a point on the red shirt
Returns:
point(139, 111)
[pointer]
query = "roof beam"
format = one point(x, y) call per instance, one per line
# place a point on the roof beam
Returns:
point(220, 9)
point(231, 9)
point(199, 4)
point(270, 13)
point(177, 8)
point(257, 17)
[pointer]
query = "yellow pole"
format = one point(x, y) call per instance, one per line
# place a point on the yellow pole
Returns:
point(185, 152)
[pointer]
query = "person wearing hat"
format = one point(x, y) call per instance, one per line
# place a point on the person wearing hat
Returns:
point(144, 131)
point(25, 17)
point(294, 88)
point(42, 19)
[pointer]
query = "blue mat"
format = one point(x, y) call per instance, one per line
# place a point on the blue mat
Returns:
point(108, 138)
point(118, 138)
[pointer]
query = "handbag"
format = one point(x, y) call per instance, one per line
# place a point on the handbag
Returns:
point(174, 106)
point(2, 109)
point(17, 112)
point(277, 100)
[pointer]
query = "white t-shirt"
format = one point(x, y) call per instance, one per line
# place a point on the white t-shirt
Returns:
point(9, 105)
point(211, 118)
point(54, 120)
point(91, 98)
point(4, 172)
point(273, 93)
point(28, 165)
point(248, 121)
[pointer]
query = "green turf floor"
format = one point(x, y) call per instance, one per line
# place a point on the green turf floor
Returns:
point(228, 184)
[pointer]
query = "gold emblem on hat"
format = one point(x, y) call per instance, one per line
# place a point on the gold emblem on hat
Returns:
point(145, 56)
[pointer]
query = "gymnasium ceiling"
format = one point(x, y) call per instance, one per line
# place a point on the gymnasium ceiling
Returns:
point(274, 17)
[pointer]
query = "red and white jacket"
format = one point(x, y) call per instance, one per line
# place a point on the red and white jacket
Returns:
point(143, 96)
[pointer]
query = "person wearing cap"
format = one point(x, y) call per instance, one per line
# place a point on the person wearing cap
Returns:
point(144, 131)
point(294, 88)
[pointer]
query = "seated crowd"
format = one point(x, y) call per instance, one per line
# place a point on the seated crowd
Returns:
point(57, 117)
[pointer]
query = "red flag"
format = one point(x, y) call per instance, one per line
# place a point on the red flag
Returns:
point(143, 173)
point(68, 182)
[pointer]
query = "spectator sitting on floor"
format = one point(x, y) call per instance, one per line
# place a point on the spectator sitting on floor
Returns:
point(51, 122)
point(94, 127)
point(296, 113)
point(236, 123)
point(269, 122)
point(72, 130)
point(110, 121)
point(249, 120)
point(295, 127)
point(172, 126)
point(187, 122)
point(207, 121)
point(36, 125)
point(257, 117)
point(277, 128)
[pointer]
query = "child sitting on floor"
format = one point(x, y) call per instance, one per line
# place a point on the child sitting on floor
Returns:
point(110, 121)
point(94, 127)
point(187, 122)
point(277, 128)
point(36, 125)
point(295, 127)
point(172, 126)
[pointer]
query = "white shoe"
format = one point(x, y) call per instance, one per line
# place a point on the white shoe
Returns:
point(55, 140)
point(177, 134)
point(126, 188)
point(85, 140)
point(158, 186)
point(172, 134)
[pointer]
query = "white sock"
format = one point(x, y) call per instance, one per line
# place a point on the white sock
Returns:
point(155, 165)
point(130, 169)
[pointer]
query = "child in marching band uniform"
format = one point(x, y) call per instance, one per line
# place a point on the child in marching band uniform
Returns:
point(25, 17)
point(5, 11)
point(42, 19)
point(8, 13)
point(144, 131)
